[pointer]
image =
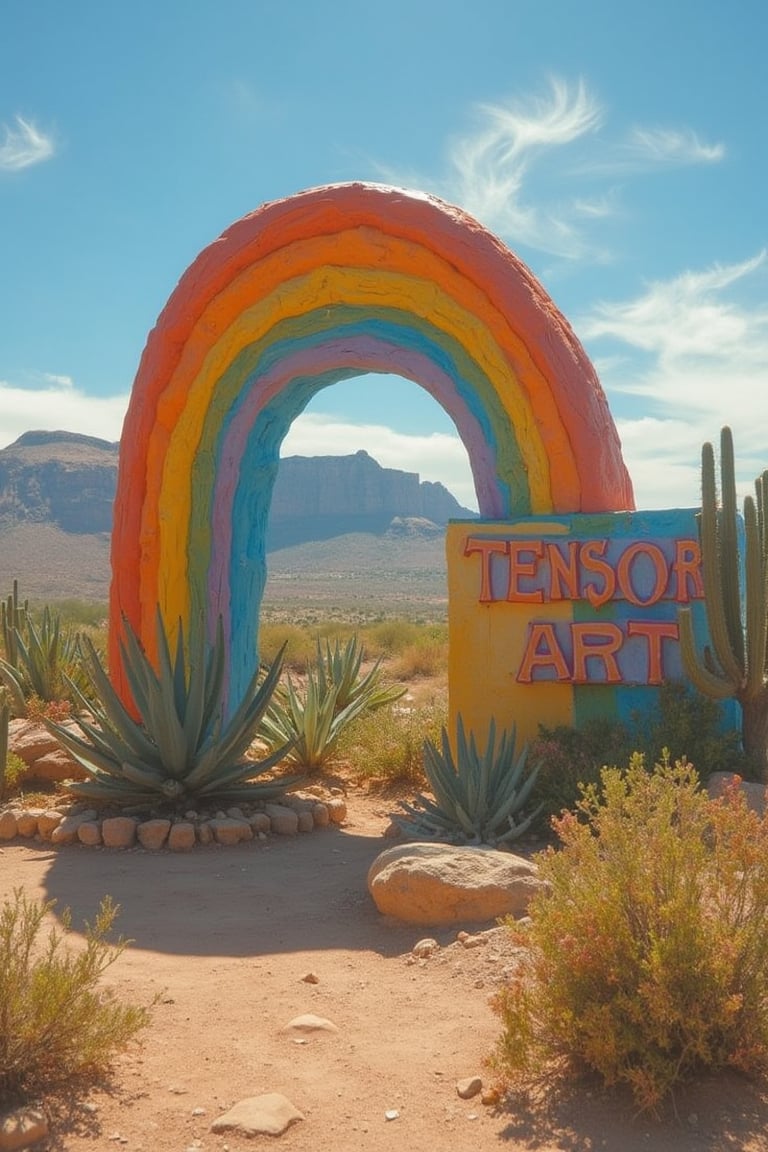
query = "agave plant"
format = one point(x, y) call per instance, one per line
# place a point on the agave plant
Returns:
point(41, 660)
point(478, 798)
point(311, 722)
point(182, 747)
point(340, 669)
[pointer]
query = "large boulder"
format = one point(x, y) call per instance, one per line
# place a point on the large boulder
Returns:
point(443, 884)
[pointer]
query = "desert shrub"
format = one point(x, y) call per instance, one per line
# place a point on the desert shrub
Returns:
point(646, 958)
point(569, 758)
point(299, 642)
point(690, 726)
point(82, 614)
point(392, 638)
point(427, 658)
point(387, 746)
point(686, 723)
point(298, 645)
point(12, 767)
point(56, 1025)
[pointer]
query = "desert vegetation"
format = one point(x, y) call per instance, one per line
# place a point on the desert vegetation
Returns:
point(58, 1027)
point(644, 961)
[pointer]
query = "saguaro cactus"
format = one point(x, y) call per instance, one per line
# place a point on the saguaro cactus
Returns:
point(736, 665)
point(12, 617)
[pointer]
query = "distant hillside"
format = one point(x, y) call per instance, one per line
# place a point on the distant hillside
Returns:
point(57, 491)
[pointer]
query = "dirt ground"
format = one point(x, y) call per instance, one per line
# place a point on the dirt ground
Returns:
point(227, 935)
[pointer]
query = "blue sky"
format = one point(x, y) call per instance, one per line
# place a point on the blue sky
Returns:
point(620, 150)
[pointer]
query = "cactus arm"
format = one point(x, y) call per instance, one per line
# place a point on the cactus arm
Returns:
point(714, 591)
point(729, 550)
point(705, 680)
point(756, 606)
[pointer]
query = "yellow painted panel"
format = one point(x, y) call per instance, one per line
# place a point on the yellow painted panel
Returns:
point(486, 647)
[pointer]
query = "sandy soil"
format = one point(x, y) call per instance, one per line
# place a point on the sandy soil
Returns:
point(226, 936)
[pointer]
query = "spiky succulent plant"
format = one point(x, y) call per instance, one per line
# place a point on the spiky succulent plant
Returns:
point(181, 747)
point(339, 668)
point(309, 720)
point(334, 696)
point(478, 798)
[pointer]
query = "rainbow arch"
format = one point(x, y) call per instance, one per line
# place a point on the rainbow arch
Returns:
point(332, 283)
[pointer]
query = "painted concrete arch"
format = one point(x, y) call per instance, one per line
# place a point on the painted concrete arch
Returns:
point(332, 283)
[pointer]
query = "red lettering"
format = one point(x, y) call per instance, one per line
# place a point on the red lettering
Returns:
point(589, 555)
point(519, 568)
point(596, 640)
point(687, 567)
point(563, 572)
point(542, 651)
point(624, 572)
point(486, 548)
point(654, 631)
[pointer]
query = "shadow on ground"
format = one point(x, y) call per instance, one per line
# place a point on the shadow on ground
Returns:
point(256, 899)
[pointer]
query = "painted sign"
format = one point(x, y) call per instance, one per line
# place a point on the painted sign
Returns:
point(557, 619)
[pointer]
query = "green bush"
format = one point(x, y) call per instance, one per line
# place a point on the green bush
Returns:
point(387, 746)
point(57, 1027)
point(684, 722)
point(569, 758)
point(646, 958)
point(689, 725)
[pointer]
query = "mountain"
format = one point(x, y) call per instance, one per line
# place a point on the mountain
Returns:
point(57, 491)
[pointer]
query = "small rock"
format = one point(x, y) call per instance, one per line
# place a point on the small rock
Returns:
point(469, 941)
point(152, 834)
point(310, 1023)
point(337, 810)
point(306, 821)
point(26, 822)
point(89, 833)
point(269, 1115)
point(204, 833)
point(284, 821)
point(425, 948)
point(47, 821)
point(391, 1114)
point(490, 1097)
point(260, 823)
point(310, 978)
point(181, 836)
point(9, 825)
point(229, 831)
point(321, 817)
point(66, 830)
point(118, 832)
point(470, 1087)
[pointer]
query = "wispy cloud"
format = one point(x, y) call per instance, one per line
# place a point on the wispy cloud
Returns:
point(666, 146)
point(511, 170)
point(437, 457)
point(703, 363)
point(23, 145)
point(57, 405)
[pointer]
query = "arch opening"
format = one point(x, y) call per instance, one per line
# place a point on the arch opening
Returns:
point(304, 293)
